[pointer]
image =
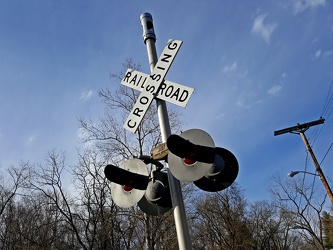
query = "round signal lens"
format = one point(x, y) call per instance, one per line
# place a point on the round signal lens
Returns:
point(127, 188)
point(188, 161)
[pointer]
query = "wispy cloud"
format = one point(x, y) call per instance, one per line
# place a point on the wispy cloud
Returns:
point(318, 53)
point(246, 104)
point(30, 140)
point(241, 103)
point(219, 117)
point(303, 5)
point(230, 67)
point(86, 95)
point(328, 53)
point(262, 29)
point(323, 54)
point(274, 90)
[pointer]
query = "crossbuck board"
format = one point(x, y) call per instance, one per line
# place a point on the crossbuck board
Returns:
point(155, 86)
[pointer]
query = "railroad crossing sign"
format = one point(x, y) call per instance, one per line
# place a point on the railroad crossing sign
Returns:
point(154, 86)
point(168, 91)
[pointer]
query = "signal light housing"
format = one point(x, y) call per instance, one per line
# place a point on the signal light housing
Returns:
point(193, 157)
point(197, 147)
point(220, 179)
point(157, 199)
point(130, 184)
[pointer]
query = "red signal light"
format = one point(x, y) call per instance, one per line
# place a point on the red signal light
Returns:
point(128, 187)
point(189, 161)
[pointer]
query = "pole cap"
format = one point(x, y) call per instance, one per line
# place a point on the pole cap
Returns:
point(147, 26)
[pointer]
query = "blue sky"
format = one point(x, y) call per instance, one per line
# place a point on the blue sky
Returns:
point(256, 66)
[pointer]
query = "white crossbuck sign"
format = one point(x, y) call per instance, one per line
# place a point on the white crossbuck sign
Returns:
point(154, 85)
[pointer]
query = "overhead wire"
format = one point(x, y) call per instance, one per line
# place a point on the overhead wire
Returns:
point(325, 111)
point(315, 134)
point(330, 147)
point(328, 101)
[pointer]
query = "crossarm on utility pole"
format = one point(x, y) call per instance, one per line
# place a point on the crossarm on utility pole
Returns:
point(299, 127)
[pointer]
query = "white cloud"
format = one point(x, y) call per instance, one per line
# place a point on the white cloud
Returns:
point(328, 53)
point(220, 116)
point(243, 74)
point(318, 53)
point(274, 90)
point(86, 95)
point(240, 103)
point(30, 140)
point(263, 30)
point(230, 68)
point(245, 102)
point(323, 54)
point(284, 75)
point(303, 5)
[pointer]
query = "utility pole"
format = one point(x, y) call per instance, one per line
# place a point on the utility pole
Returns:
point(300, 129)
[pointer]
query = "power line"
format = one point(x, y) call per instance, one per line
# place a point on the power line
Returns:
point(326, 112)
point(328, 101)
point(326, 153)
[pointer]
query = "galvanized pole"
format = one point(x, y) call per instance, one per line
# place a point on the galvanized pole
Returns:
point(183, 235)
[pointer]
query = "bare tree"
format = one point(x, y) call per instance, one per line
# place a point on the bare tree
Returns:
point(221, 220)
point(270, 228)
point(34, 223)
point(11, 182)
point(48, 180)
point(264, 224)
point(85, 209)
point(301, 203)
point(29, 219)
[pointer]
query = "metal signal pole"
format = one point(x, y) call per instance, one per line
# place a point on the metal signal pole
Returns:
point(300, 129)
point(183, 235)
